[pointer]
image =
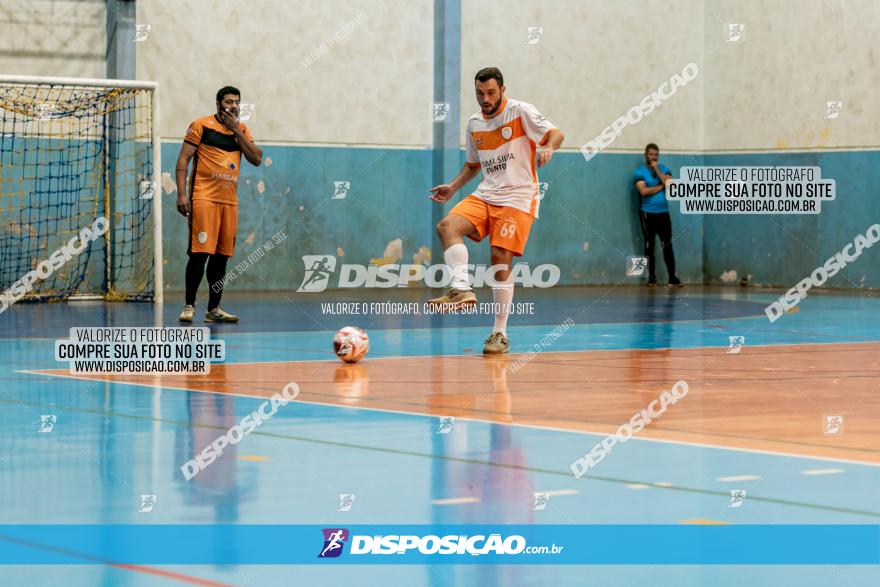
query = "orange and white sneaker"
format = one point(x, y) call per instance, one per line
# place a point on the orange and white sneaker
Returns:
point(454, 300)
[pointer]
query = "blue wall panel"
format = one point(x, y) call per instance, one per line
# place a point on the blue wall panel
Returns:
point(588, 224)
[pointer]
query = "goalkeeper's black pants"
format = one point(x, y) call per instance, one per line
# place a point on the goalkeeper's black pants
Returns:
point(195, 270)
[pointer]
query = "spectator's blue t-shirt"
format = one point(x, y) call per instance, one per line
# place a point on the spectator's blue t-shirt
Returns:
point(656, 203)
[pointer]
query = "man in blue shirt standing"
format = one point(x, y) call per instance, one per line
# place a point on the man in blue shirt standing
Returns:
point(650, 180)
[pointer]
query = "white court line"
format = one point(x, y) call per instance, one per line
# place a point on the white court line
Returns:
point(455, 500)
point(638, 486)
point(471, 419)
point(555, 492)
point(739, 478)
point(821, 471)
point(663, 484)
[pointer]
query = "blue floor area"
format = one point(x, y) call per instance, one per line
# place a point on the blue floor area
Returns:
point(282, 312)
point(112, 443)
point(462, 576)
point(277, 327)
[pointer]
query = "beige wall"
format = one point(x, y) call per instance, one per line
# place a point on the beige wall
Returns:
point(769, 91)
point(373, 87)
point(63, 38)
point(594, 61)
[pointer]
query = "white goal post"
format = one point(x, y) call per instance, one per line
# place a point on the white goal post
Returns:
point(69, 126)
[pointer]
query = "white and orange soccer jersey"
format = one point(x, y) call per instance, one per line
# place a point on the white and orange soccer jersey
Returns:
point(504, 146)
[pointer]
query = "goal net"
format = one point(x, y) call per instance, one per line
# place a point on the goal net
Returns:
point(79, 190)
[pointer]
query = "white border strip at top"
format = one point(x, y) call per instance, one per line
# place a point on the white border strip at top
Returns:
point(78, 81)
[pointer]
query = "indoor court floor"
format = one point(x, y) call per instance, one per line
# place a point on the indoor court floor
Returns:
point(790, 417)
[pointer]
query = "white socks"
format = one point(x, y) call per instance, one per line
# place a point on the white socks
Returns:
point(502, 294)
point(456, 257)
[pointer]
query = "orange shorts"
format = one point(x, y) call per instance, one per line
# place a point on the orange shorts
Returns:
point(508, 228)
point(212, 227)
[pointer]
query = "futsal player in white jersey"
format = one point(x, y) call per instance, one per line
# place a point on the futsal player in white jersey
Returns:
point(507, 139)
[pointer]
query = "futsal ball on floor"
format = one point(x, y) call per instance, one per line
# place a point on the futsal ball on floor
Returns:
point(351, 344)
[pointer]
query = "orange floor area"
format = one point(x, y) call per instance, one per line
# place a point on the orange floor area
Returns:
point(773, 398)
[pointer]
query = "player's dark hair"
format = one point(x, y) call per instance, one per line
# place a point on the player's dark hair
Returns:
point(650, 146)
point(488, 73)
point(227, 90)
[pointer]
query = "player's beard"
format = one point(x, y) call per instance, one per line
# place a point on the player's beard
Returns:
point(494, 107)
